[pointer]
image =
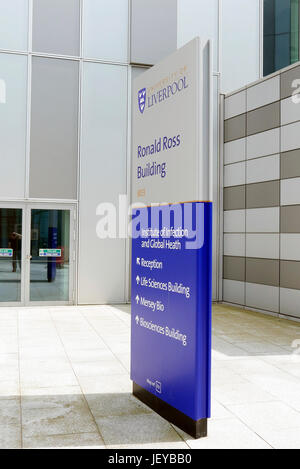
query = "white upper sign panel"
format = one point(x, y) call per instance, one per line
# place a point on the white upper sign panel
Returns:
point(171, 128)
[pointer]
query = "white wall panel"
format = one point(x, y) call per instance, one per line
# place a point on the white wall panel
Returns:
point(240, 43)
point(234, 292)
point(13, 111)
point(263, 93)
point(234, 245)
point(262, 297)
point(290, 302)
point(234, 174)
point(235, 105)
point(263, 169)
point(262, 220)
point(103, 178)
point(105, 29)
point(234, 221)
point(14, 24)
point(265, 246)
point(290, 191)
point(235, 151)
point(290, 247)
point(290, 137)
point(263, 144)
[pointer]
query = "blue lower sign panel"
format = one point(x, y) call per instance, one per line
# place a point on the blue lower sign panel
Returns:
point(171, 311)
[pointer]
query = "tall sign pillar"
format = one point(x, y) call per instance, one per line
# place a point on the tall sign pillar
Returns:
point(172, 237)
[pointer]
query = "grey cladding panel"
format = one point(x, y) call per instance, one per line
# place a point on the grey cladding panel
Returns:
point(290, 219)
point(290, 275)
point(234, 268)
point(234, 198)
point(262, 271)
point(263, 119)
point(56, 27)
point(54, 128)
point(235, 128)
point(290, 164)
point(263, 195)
point(153, 30)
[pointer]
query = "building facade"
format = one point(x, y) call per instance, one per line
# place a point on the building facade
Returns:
point(66, 68)
point(65, 89)
point(262, 194)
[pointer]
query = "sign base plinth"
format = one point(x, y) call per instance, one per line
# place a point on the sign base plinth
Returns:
point(196, 428)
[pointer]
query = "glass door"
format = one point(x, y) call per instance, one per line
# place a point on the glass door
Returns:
point(11, 255)
point(50, 256)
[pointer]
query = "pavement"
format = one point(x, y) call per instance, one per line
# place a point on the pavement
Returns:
point(64, 382)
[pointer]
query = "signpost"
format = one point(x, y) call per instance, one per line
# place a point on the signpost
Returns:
point(172, 237)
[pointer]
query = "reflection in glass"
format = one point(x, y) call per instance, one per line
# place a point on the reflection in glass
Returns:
point(281, 34)
point(49, 268)
point(10, 255)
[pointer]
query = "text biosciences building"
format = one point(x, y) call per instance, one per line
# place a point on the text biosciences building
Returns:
point(67, 71)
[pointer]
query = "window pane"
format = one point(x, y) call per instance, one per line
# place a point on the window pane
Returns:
point(105, 29)
point(14, 24)
point(13, 99)
point(282, 47)
point(269, 17)
point(54, 128)
point(294, 31)
point(10, 255)
point(269, 54)
point(282, 16)
point(56, 26)
point(281, 34)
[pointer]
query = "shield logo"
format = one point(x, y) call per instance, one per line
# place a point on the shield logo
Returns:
point(142, 100)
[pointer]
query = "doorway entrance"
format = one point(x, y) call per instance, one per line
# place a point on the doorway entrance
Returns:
point(37, 254)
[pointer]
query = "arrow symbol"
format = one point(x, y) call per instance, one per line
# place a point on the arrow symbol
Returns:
point(138, 280)
point(137, 299)
point(137, 319)
point(138, 261)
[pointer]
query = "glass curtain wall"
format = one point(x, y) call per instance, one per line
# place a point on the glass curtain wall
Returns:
point(281, 34)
